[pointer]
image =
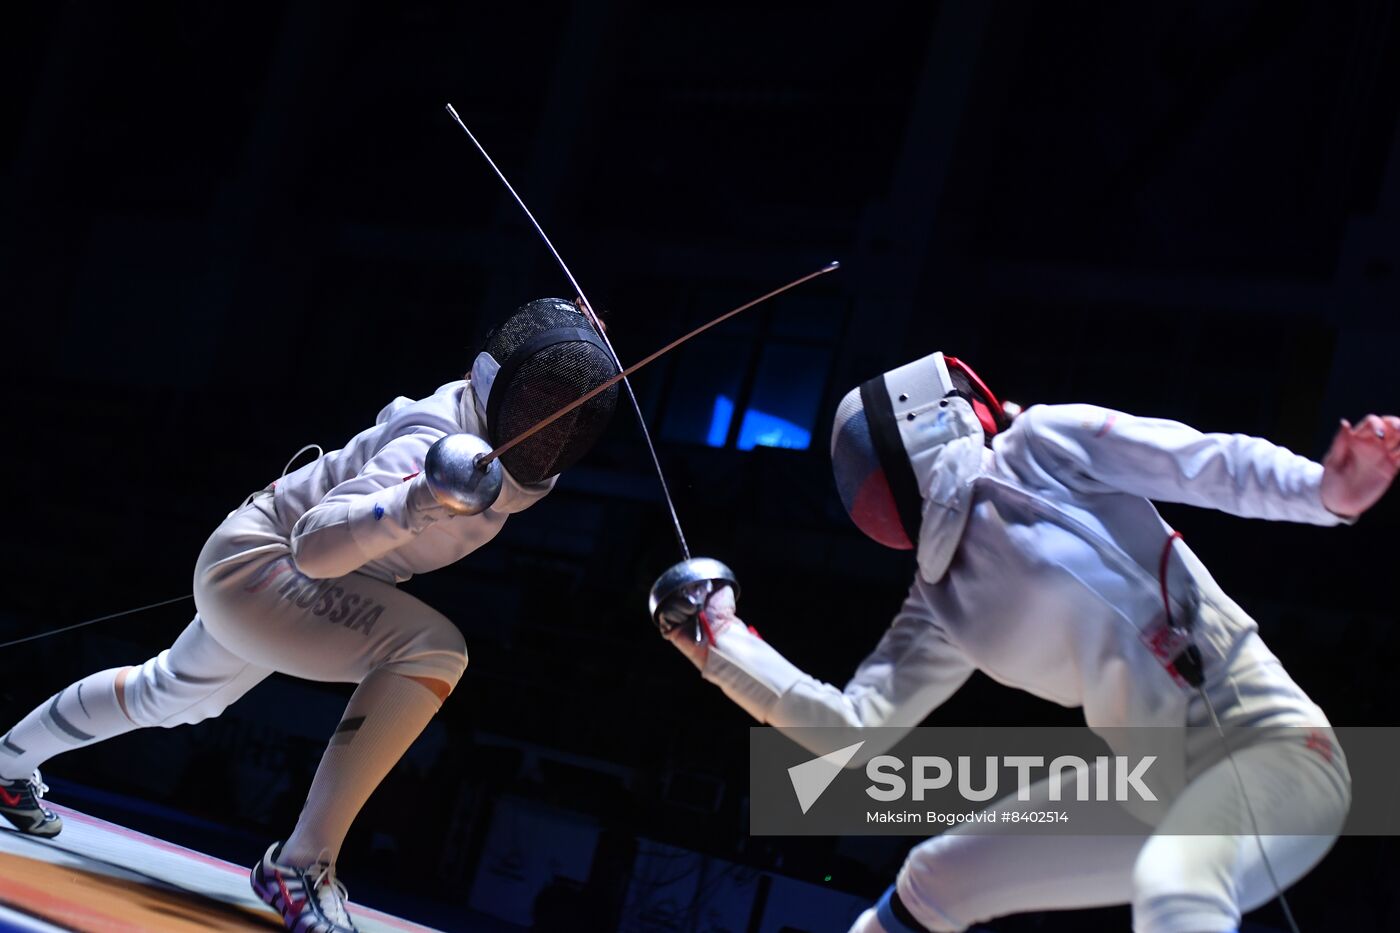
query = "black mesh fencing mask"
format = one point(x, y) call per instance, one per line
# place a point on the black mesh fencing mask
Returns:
point(547, 355)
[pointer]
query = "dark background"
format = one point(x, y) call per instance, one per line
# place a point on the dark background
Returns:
point(230, 230)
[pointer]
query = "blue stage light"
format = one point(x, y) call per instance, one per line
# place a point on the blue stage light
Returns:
point(719, 421)
point(760, 429)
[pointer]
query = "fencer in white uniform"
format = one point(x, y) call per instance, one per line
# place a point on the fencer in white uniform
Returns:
point(1042, 563)
point(302, 579)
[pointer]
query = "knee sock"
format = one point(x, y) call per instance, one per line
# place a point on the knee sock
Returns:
point(81, 714)
point(385, 714)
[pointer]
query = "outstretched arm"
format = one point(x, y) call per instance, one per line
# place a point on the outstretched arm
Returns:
point(1092, 449)
point(910, 672)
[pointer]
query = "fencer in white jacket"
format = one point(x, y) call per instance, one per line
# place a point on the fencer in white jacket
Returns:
point(301, 579)
point(1040, 555)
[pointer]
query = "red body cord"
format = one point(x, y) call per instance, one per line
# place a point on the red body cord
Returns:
point(1162, 574)
point(705, 625)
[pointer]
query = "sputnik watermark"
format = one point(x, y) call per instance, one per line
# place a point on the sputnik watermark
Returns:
point(811, 778)
point(945, 819)
point(1117, 779)
point(1120, 778)
point(1060, 780)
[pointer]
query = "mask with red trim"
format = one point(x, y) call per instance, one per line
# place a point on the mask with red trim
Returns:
point(905, 447)
point(991, 414)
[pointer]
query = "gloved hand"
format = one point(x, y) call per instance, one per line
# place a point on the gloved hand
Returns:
point(1361, 464)
point(720, 612)
point(422, 501)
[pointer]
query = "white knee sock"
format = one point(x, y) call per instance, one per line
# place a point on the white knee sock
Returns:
point(78, 715)
point(385, 714)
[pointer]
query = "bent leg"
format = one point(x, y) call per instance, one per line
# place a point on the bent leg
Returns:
point(405, 656)
point(980, 871)
point(193, 680)
point(414, 662)
point(1202, 883)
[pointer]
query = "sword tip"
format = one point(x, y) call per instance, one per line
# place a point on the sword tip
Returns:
point(834, 264)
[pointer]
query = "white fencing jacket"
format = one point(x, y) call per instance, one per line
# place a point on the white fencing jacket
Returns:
point(1054, 587)
point(351, 509)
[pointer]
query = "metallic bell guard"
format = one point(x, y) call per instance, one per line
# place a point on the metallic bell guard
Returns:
point(456, 476)
point(694, 580)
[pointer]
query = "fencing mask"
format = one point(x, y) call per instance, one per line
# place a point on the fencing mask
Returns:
point(905, 447)
point(543, 357)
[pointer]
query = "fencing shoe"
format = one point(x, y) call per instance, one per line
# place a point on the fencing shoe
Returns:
point(310, 900)
point(19, 803)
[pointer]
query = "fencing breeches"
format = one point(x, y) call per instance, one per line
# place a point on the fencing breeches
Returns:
point(1176, 882)
point(258, 614)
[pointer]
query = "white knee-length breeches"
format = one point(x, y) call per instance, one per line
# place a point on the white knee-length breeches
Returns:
point(1175, 882)
point(257, 614)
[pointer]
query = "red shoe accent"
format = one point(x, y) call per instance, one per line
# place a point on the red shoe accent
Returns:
point(11, 800)
point(292, 905)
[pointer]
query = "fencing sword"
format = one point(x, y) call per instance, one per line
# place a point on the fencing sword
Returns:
point(688, 581)
point(483, 455)
point(593, 320)
point(484, 460)
point(456, 448)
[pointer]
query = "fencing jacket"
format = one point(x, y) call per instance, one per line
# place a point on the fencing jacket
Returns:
point(351, 509)
point(1054, 587)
